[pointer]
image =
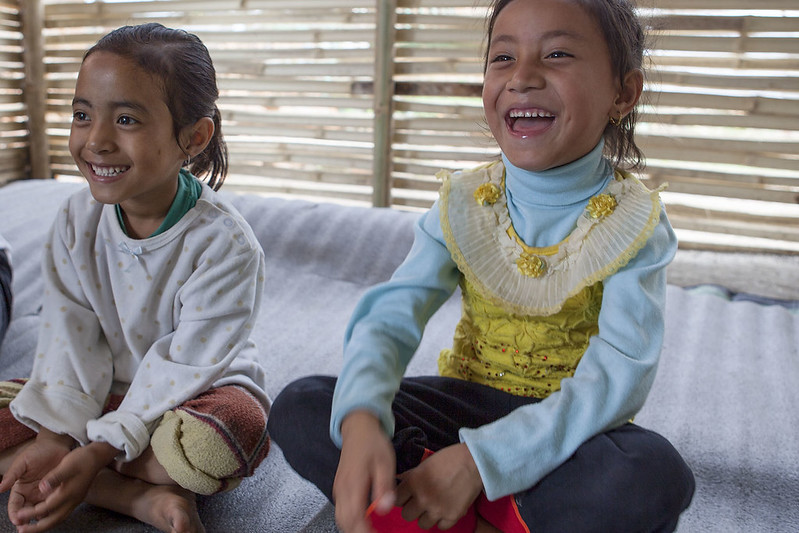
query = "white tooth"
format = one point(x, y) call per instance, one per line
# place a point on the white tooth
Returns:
point(107, 171)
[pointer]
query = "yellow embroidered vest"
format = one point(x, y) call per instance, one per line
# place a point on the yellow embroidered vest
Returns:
point(529, 313)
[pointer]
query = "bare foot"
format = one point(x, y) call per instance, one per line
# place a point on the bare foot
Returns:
point(170, 508)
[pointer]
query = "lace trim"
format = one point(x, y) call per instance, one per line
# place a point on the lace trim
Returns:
point(481, 241)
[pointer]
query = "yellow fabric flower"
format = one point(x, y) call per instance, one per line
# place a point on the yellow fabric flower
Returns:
point(601, 205)
point(486, 194)
point(531, 266)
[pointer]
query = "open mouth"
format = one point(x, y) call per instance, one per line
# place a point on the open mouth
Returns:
point(528, 121)
point(108, 171)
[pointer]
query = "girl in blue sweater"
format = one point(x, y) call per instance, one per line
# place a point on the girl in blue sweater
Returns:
point(560, 255)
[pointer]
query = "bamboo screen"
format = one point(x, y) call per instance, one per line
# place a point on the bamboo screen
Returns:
point(13, 113)
point(721, 125)
point(298, 92)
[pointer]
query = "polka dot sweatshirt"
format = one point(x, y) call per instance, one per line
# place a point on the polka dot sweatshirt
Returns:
point(158, 320)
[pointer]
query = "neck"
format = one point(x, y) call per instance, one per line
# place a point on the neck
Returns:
point(564, 185)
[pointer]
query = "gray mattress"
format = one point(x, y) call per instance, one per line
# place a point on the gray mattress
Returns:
point(725, 395)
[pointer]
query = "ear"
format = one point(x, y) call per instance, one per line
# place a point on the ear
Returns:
point(197, 136)
point(631, 88)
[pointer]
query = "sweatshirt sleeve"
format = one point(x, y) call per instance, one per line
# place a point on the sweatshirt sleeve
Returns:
point(387, 326)
point(72, 368)
point(609, 386)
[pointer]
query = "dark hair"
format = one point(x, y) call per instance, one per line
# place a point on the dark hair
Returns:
point(182, 63)
point(626, 43)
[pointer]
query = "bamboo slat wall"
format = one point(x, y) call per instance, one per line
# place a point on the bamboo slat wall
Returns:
point(721, 124)
point(299, 97)
point(13, 113)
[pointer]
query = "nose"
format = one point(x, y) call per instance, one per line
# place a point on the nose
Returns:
point(527, 75)
point(100, 138)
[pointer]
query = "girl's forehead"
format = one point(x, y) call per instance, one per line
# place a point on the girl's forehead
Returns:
point(545, 19)
point(110, 63)
point(527, 13)
point(120, 73)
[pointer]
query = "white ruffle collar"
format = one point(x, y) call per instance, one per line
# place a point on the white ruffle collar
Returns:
point(482, 242)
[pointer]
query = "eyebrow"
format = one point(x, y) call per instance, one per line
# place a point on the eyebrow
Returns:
point(121, 103)
point(552, 34)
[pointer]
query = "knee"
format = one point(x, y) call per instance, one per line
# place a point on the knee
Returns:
point(655, 476)
point(301, 411)
point(210, 443)
point(628, 479)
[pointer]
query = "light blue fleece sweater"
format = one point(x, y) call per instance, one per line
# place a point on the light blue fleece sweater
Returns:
point(612, 379)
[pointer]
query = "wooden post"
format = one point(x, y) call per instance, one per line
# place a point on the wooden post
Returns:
point(383, 102)
point(34, 88)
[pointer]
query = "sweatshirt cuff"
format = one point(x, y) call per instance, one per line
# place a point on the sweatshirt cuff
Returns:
point(60, 409)
point(124, 431)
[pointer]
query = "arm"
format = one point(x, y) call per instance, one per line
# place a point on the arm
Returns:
point(387, 326)
point(365, 472)
point(72, 369)
point(609, 386)
point(382, 336)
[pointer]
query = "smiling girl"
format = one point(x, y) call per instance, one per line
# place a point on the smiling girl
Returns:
point(560, 255)
point(146, 388)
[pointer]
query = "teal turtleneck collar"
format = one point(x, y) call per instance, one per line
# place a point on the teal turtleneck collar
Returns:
point(561, 186)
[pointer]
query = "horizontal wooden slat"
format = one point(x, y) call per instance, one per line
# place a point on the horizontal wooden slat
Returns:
point(741, 24)
point(724, 5)
point(732, 80)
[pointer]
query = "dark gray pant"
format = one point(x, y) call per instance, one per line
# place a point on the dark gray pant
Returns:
point(626, 480)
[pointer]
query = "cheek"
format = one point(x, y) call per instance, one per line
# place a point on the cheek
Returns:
point(489, 106)
point(74, 142)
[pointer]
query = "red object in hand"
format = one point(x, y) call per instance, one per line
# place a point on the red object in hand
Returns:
point(394, 523)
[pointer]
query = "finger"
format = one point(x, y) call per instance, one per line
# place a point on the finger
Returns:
point(426, 521)
point(44, 516)
point(357, 524)
point(403, 494)
point(383, 490)
point(45, 523)
point(412, 510)
point(349, 508)
point(49, 484)
point(14, 472)
point(445, 524)
point(23, 514)
point(56, 478)
point(385, 503)
point(16, 502)
point(36, 509)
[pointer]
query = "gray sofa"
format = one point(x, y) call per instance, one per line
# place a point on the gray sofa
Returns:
point(726, 392)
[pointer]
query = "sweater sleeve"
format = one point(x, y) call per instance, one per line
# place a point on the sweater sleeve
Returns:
point(72, 369)
point(387, 326)
point(609, 386)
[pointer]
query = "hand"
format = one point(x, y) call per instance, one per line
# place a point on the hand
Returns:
point(27, 470)
point(366, 472)
point(441, 489)
point(61, 489)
